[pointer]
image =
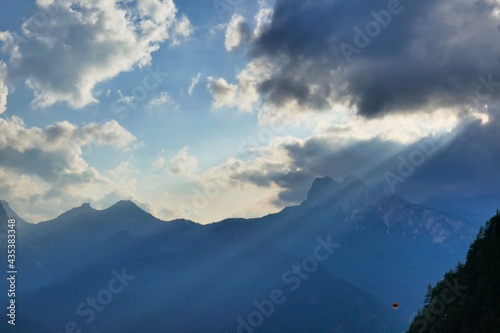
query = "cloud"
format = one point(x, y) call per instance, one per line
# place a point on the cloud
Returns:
point(183, 164)
point(418, 57)
point(237, 33)
point(194, 82)
point(183, 29)
point(125, 99)
point(467, 165)
point(80, 44)
point(109, 133)
point(286, 166)
point(54, 153)
point(163, 99)
point(425, 74)
point(244, 95)
point(263, 19)
point(43, 169)
point(224, 94)
point(159, 163)
point(266, 166)
point(4, 90)
point(124, 180)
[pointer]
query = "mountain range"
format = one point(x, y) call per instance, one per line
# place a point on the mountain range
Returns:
point(338, 261)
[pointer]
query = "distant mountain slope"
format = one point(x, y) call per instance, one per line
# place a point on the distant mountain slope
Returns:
point(205, 291)
point(401, 246)
point(468, 298)
point(84, 234)
point(389, 251)
point(476, 209)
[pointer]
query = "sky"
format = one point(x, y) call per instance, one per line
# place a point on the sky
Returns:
point(229, 108)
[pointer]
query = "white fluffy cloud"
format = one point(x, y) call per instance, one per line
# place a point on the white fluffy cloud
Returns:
point(56, 149)
point(237, 33)
point(244, 95)
point(284, 168)
point(163, 99)
point(183, 29)
point(224, 93)
point(238, 30)
point(263, 18)
point(124, 180)
point(4, 90)
point(159, 163)
point(183, 164)
point(70, 46)
point(109, 133)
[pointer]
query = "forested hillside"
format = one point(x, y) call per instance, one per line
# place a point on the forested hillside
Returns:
point(468, 298)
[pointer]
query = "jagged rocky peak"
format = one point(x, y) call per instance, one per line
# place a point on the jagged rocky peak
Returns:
point(86, 206)
point(353, 181)
point(83, 209)
point(325, 188)
point(320, 186)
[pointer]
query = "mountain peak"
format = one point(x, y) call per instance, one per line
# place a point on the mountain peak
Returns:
point(320, 186)
point(72, 213)
point(350, 189)
point(352, 180)
point(85, 206)
point(323, 182)
point(125, 205)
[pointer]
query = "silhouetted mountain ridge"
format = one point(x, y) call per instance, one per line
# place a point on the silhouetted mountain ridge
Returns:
point(221, 268)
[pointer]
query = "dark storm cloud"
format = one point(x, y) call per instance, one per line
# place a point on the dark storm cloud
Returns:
point(466, 166)
point(294, 186)
point(317, 158)
point(462, 163)
point(32, 161)
point(380, 56)
point(465, 163)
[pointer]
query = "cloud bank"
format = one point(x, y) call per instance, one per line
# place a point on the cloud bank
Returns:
point(69, 46)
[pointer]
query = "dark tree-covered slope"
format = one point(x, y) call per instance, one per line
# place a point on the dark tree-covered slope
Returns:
point(467, 300)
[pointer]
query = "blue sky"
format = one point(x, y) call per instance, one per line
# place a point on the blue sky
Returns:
point(213, 109)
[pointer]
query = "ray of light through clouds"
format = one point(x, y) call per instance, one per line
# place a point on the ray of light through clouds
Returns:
point(268, 96)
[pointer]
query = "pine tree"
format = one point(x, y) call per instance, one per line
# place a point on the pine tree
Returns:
point(428, 295)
